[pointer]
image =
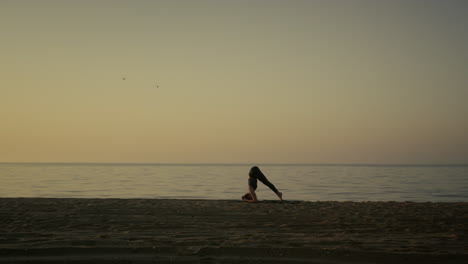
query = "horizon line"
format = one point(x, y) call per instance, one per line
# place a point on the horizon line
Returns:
point(247, 164)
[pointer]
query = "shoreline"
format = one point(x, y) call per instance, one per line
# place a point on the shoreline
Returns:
point(246, 164)
point(97, 230)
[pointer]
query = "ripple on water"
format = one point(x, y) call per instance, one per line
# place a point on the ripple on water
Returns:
point(396, 183)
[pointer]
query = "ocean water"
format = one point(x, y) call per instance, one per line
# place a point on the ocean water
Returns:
point(297, 182)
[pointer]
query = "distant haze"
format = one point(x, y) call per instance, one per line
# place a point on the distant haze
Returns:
point(234, 81)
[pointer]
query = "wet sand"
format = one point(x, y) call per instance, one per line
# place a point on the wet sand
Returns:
point(43, 230)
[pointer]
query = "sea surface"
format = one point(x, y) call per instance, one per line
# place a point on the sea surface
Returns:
point(204, 181)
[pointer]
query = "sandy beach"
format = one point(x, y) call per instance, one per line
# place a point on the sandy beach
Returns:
point(43, 230)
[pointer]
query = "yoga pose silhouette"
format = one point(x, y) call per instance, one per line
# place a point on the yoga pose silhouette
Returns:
point(254, 175)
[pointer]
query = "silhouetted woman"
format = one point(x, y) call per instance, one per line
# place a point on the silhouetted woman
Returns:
point(254, 175)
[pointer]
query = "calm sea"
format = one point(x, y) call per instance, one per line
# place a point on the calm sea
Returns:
point(297, 182)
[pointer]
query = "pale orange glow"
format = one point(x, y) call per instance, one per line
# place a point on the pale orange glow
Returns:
point(238, 81)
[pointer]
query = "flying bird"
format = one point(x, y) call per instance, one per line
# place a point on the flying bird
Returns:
point(123, 79)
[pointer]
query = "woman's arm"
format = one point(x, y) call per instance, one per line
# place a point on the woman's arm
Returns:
point(253, 194)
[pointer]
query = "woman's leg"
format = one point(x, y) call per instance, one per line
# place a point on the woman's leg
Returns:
point(265, 181)
point(259, 175)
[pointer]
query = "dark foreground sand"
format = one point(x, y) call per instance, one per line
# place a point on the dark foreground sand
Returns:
point(34, 230)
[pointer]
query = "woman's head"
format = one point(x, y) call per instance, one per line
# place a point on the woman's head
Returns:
point(255, 172)
point(246, 196)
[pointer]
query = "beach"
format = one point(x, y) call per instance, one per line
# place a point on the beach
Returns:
point(56, 230)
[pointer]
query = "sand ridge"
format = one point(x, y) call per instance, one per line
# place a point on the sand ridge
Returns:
point(186, 229)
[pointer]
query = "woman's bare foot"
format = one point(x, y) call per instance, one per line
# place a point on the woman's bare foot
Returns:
point(280, 195)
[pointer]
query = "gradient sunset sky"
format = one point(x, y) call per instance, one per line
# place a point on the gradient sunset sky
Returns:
point(239, 81)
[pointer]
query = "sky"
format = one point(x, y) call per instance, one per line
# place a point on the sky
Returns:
point(246, 81)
